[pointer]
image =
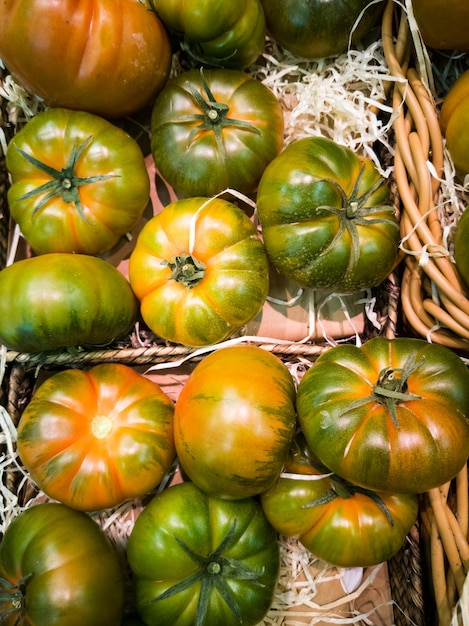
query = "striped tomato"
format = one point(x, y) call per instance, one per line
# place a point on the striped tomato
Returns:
point(234, 420)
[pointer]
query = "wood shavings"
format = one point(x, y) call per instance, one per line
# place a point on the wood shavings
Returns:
point(342, 98)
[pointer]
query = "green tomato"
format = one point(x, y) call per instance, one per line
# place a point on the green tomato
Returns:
point(326, 218)
point(79, 183)
point(223, 33)
point(391, 415)
point(320, 28)
point(57, 567)
point(215, 129)
point(61, 300)
point(197, 560)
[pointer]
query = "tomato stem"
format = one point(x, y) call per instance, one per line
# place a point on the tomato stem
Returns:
point(341, 488)
point(213, 571)
point(186, 269)
point(14, 596)
point(64, 182)
point(354, 213)
point(214, 116)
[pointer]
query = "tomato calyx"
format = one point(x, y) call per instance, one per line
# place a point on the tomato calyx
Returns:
point(13, 595)
point(214, 116)
point(354, 212)
point(391, 389)
point(213, 571)
point(341, 488)
point(186, 269)
point(64, 182)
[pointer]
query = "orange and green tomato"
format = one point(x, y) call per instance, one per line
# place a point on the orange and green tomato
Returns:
point(234, 420)
point(94, 438)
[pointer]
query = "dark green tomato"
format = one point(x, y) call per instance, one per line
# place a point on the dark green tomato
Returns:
point(337, 521)
point(461, 250)
point(61, 300)
point(391, 415)
point(326, 218)
point(79, 183)
point(202, 561)
point(215, 130)
point(219, 33)
point(199, 270)
point(57, 567)
point(319, 28)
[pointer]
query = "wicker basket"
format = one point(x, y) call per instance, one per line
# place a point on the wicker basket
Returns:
point(417, 139)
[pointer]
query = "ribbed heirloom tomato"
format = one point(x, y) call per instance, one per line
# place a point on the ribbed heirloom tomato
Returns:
point(57, 567)
point(109, 57)
point(93, 439)
point(60, 300)
point(326, 217)
point(199, 270)
point(226, 33)
point(391, 415)
point(79, 183)
point(338, 522)
point(234, 420)
point(215, 129)
point(202, 561)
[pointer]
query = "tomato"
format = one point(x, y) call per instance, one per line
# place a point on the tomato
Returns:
point(215, 129)
point(93, 439)
point(202, 560)
point(234, 420)
point(326, 218)
point(79, 183)
point(391, 415)
point(57, 567)
point(319, 28)
point(443, 23)
point(461, 254)
point(454, 121)
point(338, 522)
point(109, 57)
point(61, 300)
point(228, 33)
point(199, 270)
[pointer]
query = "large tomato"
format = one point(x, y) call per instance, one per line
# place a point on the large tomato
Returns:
point(319, 28)
point(326, 218)
point(202, 560)
point(61, 300)
point(338, 522)
point(57, 567)
point(93, 439)
point(227, 33)
point(391, 415)
point(234, 420)
point(109, 57)
point(443, 23)
point(454, 121)
point(199, 270)
point(215, 129)
point(79, 183)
